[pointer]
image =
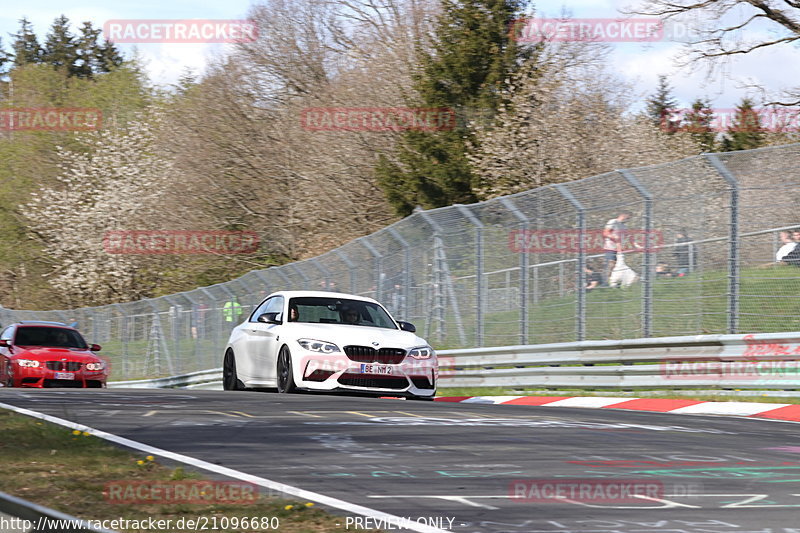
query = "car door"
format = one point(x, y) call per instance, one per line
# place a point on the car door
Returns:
point(5, 353)
point(259, 343)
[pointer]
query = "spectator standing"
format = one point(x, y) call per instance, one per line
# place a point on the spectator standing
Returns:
point(613, 233)
point(232, 310)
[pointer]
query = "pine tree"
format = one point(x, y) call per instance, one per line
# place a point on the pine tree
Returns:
point(94, 57)
point(699, 122)
point(661, 105)
point(26, 46)
point(60, 46)
point(745, 132)
point(5, 57)
point(473, 56)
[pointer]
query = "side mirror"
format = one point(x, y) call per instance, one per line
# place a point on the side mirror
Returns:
point(95, 347)
point(270, 318)
point(407, 326)
point(5, 342)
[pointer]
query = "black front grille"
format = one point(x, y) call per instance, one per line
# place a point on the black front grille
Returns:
point(367, 354)
point(62, 366)
point(373, 382)
point(68, 383)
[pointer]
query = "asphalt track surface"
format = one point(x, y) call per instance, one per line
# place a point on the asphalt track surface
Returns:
point(467, 462)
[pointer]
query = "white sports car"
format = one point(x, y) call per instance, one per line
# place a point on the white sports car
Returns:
point(328, 341)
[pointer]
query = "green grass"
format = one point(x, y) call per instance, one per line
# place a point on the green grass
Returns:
point(696, 304)
point(51, 465)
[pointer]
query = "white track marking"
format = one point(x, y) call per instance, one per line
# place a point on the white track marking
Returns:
point(586, 401)
point(241, 476)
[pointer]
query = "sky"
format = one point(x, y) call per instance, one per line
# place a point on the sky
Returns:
point(640, 64)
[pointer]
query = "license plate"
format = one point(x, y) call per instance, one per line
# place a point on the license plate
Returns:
point(65, 375)
point(376, 369)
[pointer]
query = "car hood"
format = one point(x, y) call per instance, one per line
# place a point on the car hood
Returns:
point(44, 353)
point(344, 335)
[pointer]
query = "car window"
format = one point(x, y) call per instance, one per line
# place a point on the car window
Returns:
point(316, 310)
point(44, 336)
point(270, 305)
point(7, 334)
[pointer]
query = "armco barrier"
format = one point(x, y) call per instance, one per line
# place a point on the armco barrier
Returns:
point(763, 361)
point(21, 515)
point(182, 381)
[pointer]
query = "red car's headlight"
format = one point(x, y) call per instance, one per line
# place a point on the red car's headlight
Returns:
point(95, 366)
point(27, 363)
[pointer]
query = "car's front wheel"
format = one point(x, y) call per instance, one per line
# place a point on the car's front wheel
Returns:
point(230, 380)
point(285, 374)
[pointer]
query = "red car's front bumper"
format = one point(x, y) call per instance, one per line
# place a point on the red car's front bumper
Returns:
point(46, 378)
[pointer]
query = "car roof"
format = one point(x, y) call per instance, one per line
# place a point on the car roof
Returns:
point(321, 294)
point(41, 323)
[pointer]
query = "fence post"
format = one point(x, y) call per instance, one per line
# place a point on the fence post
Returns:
point(733, 242)
point(406, 269)
point(467, 213)
point(647, 264)
point(376, 257)
point(326, 274)
point(216, 315)
point(300, 273)
point(581, 267)
point(122, 327)
point(350, 267)
point(524, 311)
point(286, 279)
point(441, 272)
point(175, 318)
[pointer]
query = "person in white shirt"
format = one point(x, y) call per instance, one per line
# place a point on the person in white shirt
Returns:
point(788, 245)
point(613, 234)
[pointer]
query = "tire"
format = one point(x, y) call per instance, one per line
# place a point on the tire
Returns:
point(285, 375)
point(230, 381)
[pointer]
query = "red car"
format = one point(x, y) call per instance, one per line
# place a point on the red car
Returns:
point(49, 354)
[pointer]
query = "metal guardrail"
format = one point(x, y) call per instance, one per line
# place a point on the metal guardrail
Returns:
point(761, 361)
point(190, 380)
point(19, 515)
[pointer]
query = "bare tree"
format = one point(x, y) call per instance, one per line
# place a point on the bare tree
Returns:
point(725, 29)
point(567, 119)
point(240, 142)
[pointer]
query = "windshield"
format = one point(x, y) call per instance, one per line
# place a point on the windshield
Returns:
point(339, 311)
point(44, 336)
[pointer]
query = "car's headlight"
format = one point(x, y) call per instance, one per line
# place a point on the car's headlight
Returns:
point(27, 363)
point(95, 366)
point(318, 346)
point(423, 352)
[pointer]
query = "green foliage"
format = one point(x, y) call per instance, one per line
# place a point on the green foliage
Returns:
point(471, 60)
point(25, 46)
point(745, 132)
point(698, 123)
point(82, 56)
point(660, 104)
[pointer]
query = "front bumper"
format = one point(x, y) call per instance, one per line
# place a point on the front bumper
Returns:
point(45, 378)
point(337, 372)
